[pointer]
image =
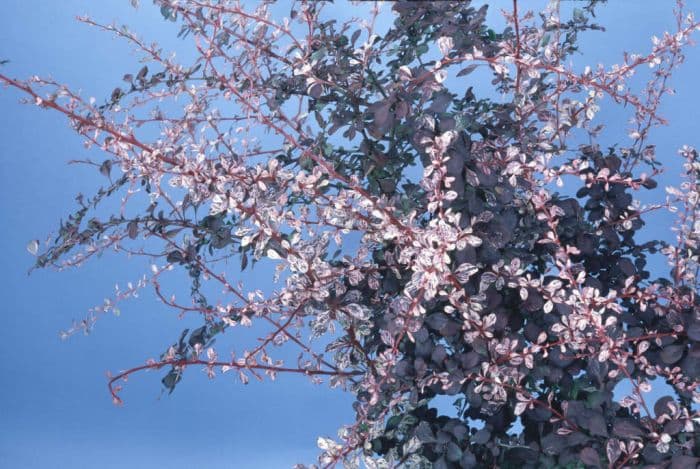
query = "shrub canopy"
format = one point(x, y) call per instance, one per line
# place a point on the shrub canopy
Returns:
point(423, 240)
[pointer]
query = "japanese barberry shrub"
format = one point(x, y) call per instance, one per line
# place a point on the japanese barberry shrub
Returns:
point(441, 214)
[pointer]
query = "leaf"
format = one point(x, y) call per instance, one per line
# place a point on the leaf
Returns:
point(174, 257)
point(670, 354)
point(681, 461)
point(467, 70)
point(315, 90)
point(116, 94)
point(381, 115)
point(627, 428)
point(470, 359)
point(481, 437)
point(673, 427)
point(198, 336)
point(33, 247)
point(272, 254)
point(172, 233)
point(694, 331)
point(612, 450)
point(355, 36)
point(171, 379)
point(132, 229)
point(520, 407)
point(356, 311)
point(661, 405)
point(453, 452)
point(459, 430)
point(319, 54)
point(553, 444)
point(468, 460)
point(590, 457)
point(142, 73)
point(424, 433)
point(106, 168)
point(437, 320)
point(387, 185)
point(595, 423)
point(325, 444)
point(167, 13)
point(393, 422)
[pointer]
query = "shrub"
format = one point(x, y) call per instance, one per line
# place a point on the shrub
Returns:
point(421, 243)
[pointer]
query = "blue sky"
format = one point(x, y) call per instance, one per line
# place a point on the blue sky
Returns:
point(55, 410)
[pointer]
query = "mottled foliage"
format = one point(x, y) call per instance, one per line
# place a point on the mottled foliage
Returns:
point(432, 216)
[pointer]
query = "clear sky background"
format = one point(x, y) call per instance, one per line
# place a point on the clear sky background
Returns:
point(54, 407)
